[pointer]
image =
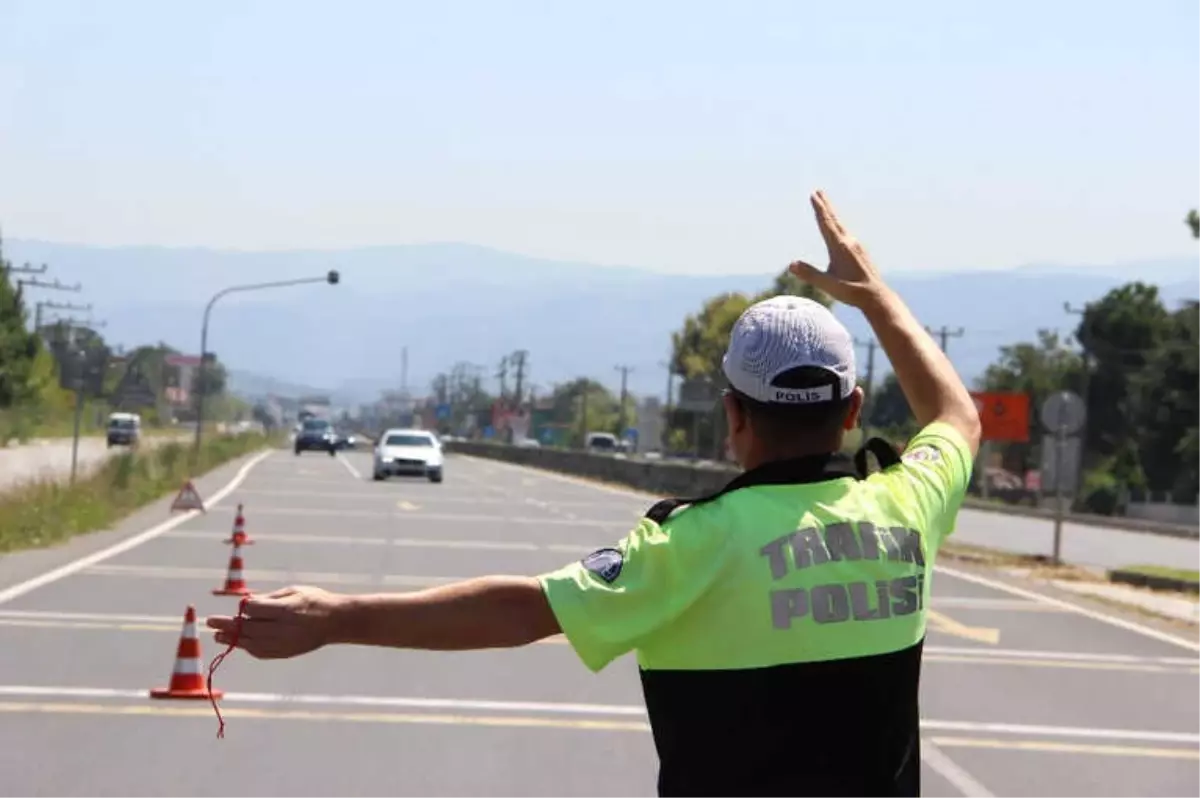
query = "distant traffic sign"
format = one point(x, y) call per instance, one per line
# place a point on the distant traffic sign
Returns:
point(1003, 416)
point(1060, 456)
point(697, 396)
point(188, 499)
point(443, 412)
point(1064, 412)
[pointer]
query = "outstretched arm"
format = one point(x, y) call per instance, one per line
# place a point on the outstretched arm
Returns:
point(489, 612)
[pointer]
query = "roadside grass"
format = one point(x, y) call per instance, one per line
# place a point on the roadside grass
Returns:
point(47, 512)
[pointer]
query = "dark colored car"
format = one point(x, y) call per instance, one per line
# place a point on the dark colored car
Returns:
point(345, 440)
point(316, 434)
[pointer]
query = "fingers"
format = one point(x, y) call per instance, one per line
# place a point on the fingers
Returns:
point(272, 605)
point(810, 274)
point(827, 221)
point(222, 623)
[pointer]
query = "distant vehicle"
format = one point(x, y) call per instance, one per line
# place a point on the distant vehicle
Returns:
point(408, 452)
point(602, 443)
point(527, 443)
point(316, 434)
point(124, 429)
point(348, 440)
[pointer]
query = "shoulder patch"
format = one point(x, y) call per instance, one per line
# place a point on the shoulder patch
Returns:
point(922, 454)
point(605, 563)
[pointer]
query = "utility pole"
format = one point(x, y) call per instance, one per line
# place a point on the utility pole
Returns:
point(944, 333)
point(666, 427)
point(8, 268)
point(502, 375)
point(621, 419)
point(34, 282)
point(519, 360)
point(583, 397)
point(404, 371)
point(870, 383)
point(51, 305)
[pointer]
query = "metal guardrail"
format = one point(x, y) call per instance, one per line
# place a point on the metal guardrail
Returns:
point(684, 478)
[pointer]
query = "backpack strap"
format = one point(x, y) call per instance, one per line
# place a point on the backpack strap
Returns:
point(795, 471)
point(885, 455)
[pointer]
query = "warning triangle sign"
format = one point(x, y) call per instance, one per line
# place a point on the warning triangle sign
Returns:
point(188, 499)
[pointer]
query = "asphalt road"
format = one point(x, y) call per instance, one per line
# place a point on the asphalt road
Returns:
point(1082, 544)
point(1022, 696)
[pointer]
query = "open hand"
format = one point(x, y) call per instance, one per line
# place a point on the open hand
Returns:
point(851, 277)
point(285, 623)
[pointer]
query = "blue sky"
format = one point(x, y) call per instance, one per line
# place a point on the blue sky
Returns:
point(682, 137)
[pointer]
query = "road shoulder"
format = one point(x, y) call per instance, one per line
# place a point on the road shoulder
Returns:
point(18, 566)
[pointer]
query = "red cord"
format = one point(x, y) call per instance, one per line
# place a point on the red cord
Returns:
point(212, 667)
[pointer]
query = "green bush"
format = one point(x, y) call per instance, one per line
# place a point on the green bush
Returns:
point(1101, 492)
point(48, 512)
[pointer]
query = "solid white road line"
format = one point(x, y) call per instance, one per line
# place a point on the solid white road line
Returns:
point(1002, 653)
point(1017, 729)
point(37, 615)
point(20, 589)
point(29, 691)
point(349, 467)
point(1012, 590)
point(999, 604)
point(430, 543)
point(568, 708)
point(949, 770)
point(1121, 623)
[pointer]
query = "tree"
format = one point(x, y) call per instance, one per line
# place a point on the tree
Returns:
point(888, 410)
point(1120, 334)
point(1169, 406)
point(212, 381)
point(697, 348)
point(18, 346)
point(567, 408)
point(1193, 221)
point(788, 283)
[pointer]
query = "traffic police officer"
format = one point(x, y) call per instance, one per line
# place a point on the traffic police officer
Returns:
point(778, 624)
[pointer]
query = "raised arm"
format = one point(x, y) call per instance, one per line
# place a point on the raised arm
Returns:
point(932, 387)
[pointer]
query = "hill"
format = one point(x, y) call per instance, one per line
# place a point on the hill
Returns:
point(450, 302)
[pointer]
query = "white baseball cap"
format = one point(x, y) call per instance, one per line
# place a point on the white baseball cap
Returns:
point(784, 334)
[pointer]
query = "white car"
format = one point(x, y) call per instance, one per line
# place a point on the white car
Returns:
point(408, 452)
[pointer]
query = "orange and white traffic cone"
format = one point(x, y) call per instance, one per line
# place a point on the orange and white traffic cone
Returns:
point(187, 680)
point(235, 583)
point(239, 536)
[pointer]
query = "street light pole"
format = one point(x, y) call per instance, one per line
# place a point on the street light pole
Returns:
point(332, 277)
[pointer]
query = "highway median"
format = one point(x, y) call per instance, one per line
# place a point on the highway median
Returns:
point(49, 511)
point(688, 479)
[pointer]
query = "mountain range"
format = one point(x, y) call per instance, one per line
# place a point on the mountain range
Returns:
point(457, 302)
